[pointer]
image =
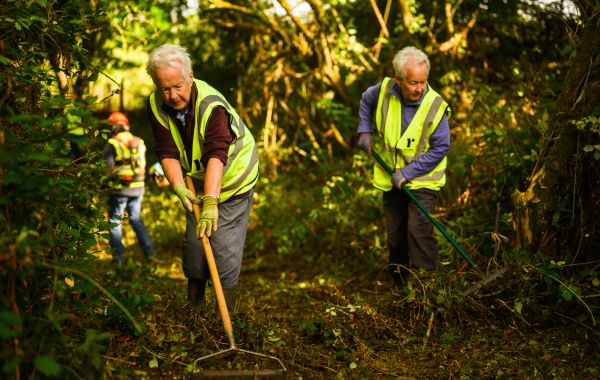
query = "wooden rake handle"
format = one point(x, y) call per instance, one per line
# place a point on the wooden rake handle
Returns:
point(214, 274)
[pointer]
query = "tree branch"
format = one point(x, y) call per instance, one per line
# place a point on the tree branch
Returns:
point(382, 22)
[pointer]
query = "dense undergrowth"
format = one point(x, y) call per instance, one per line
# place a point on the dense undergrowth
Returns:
point(325, 306)
point(313, 292)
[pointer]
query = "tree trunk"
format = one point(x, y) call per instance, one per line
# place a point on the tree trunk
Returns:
point(561, 204)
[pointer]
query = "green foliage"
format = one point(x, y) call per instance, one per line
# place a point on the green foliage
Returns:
point(590, 125)
point(37, 175)
point(47, 366)
point(51, 176)
point(338, 216)
point(317, 226)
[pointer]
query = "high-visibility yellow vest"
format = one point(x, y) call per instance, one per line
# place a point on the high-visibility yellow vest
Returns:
point(130, 160)
point(398, 149)
point(241, 170)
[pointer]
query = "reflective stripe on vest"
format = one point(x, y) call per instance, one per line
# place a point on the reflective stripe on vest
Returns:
point(240, 173)
point(131, 174)
point(399, 149)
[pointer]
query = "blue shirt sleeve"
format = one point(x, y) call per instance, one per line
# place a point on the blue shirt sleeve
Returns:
point(366, 109)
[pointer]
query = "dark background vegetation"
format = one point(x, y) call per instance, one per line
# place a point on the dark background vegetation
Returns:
point(523, 192)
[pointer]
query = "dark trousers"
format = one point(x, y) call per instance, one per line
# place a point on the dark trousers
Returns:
point(409, 232)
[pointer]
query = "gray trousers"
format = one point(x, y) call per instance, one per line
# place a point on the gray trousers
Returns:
point(409, 231)
point(227, 243)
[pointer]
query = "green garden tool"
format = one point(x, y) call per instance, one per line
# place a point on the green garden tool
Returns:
point(435, 222)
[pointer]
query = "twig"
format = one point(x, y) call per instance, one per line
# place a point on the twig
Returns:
point(428, 334)
point(485, 281)
point(496, 227)
point(514, 312)
point(118, 360)
point(165, 358)
point(581, 323)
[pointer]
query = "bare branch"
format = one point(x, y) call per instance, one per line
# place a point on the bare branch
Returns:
point(457, 38)
point(382, 22)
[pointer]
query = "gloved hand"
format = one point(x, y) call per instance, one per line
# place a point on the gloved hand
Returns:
point(209, 217)
point(398, 179)
point(186, 196)
point(365, 142)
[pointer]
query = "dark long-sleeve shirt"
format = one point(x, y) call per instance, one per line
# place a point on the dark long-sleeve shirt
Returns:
point(439, 141)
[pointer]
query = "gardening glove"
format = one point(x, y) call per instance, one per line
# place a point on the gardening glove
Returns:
point(209, 217)
point(398, 179)
point(186, 196)
point(365, 142)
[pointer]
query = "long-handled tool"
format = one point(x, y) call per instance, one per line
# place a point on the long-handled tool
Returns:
point(279, 373)
point(435, 222)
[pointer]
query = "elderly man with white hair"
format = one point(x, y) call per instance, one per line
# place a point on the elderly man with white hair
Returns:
point(406, 122)
point(199, 134)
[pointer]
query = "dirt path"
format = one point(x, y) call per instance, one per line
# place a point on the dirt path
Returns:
point(324, 323)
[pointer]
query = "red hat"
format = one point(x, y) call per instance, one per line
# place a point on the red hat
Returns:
point(118, 118)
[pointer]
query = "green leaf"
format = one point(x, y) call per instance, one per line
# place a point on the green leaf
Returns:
point(518, 306)
point(10, 365)
point(140, 329)
point(7, 320)
point(47, 365)
point(93, 76)
point(566, 294)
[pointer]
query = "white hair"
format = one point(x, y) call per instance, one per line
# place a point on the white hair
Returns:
point(166, 55)
point(409, 54)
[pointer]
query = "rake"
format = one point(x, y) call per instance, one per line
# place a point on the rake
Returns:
point(198, 373)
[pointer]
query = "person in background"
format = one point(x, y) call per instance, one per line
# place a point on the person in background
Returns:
point(125, 158)
point(199, 134)
point(406, 122)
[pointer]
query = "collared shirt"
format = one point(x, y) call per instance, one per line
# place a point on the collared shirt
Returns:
point(439, 141)
point(217, 136)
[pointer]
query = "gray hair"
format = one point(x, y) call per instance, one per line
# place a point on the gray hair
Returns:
point(409, 54)
point(166, 55)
